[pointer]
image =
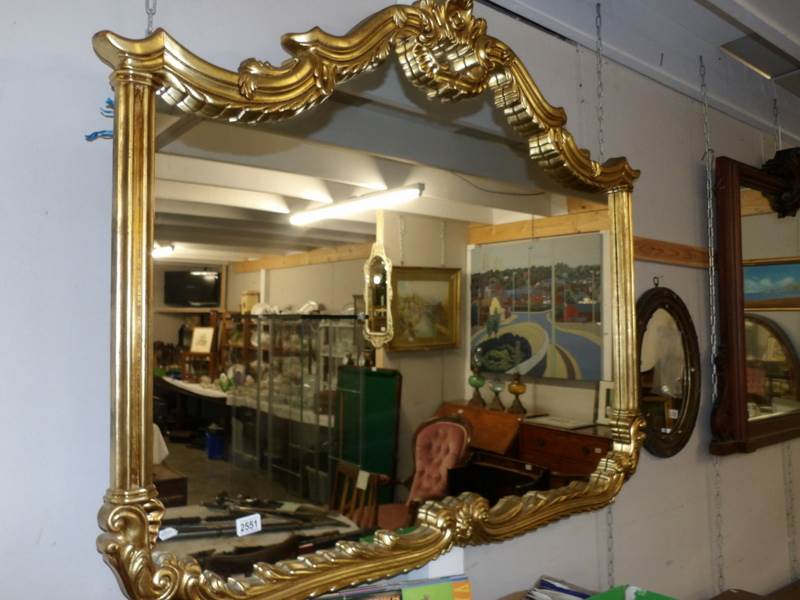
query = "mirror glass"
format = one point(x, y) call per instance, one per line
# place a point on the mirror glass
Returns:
point(771, 369)
point(771, 277)
point(669, 370)
point(275, 415)
point(378, 282)
point(662, 372)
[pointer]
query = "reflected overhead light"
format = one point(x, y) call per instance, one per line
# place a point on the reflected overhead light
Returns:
point(376, 200)
point(207, 275)
point(160, 251)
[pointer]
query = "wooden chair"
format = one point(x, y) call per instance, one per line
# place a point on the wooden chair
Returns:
point(355, 495)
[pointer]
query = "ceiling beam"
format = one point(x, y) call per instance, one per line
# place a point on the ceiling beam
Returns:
point(342, 159)
point(265, 230)
point(232, 213)
point(200, 235)
point(314, 257)
point(224, 196)
point(440, 184)
point(180, 127)
point(237, 176)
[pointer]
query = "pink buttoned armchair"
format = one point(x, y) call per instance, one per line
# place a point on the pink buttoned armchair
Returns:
point(439, 445)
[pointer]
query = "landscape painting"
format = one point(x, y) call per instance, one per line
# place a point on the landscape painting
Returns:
point(536, 307)
point(772, 285)
point(425, 308)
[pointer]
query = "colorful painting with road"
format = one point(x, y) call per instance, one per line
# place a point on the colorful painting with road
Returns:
point(536, 307)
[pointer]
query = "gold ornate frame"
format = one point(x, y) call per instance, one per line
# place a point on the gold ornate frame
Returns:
point(378, 338)
point(444, 50)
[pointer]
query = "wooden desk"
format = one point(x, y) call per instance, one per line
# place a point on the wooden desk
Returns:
point(550, 455)
point(176, 393)
point(568, 452)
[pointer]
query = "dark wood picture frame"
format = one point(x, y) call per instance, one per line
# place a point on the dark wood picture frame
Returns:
point(731, 431)
point(660, 443)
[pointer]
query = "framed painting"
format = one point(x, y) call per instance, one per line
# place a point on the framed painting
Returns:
point(536, 307)
point(426, 306)
point(202, 340)
point(772, 284)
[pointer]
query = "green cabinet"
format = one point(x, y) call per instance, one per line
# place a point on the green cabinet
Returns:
point(369, 414)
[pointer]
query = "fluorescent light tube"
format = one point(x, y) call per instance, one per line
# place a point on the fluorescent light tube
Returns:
point(372, 201)
point(160, 251)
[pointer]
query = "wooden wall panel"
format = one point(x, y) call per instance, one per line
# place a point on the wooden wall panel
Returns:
point(645, 249)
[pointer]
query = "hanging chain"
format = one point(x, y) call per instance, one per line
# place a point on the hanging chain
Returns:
point(708, 158)
point(610, 545)
point(150, 7)
point(776, 119)
point(791, 529)
point(601, 150)
point(601, 138)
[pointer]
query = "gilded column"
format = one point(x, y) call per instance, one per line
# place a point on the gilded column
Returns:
point(624, 367)
point(131, 276)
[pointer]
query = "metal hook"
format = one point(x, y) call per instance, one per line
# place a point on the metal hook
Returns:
point(657, 280)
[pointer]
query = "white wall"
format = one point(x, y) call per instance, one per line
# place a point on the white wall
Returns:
point(332, 285)
point(236, 283)
point(429, 378)
point(56, 215)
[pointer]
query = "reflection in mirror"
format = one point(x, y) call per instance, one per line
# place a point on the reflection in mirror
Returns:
point(663, 365)
point(772, 369)
point(284, 432)
point(771, 276)
point(669, 370)
point(378, 327)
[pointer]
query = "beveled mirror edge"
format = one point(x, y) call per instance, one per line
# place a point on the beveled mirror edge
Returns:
point(646, 306)
point(131, 514)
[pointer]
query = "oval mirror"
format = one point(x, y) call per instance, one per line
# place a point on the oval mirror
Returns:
point(378, 328)
point(771, 364)
point(669, 371)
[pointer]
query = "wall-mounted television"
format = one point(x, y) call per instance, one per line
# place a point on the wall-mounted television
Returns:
point(193, 289)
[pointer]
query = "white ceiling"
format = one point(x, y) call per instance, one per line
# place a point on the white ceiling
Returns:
point(224, 192)
point(663, 39)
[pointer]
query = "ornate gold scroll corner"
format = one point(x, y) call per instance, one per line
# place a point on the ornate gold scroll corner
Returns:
point(129, 531)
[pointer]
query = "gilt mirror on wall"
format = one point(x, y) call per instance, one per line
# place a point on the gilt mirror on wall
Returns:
point(292, 416)
point(758, 248)
point(669, 370)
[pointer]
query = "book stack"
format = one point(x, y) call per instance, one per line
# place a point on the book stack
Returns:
point(549, 588)
point(444, 588)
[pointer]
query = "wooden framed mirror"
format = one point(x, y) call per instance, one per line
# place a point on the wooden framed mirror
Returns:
point(446, 52)
point(757, 257)
point(669, 370)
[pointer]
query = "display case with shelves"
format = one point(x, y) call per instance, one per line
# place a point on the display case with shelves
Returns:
point(285, 402)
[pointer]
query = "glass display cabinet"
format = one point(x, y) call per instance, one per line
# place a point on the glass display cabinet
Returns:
point(284, 404)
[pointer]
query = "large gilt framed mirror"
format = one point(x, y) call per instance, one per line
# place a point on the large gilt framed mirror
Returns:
point(757, 257)
point(300, 418)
